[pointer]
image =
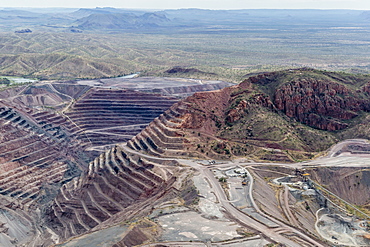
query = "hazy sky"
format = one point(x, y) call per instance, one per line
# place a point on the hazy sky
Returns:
point(206, 4)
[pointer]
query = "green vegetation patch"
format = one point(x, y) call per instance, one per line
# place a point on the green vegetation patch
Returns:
point(5, 81)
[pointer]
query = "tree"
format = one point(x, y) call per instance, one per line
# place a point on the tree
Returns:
point(5, 81)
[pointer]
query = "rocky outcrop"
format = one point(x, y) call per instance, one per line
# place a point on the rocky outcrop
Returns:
point(238, 111)
point(280, 110)
point(323, 100)
point(317, 103)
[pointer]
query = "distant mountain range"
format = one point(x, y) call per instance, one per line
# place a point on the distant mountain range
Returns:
point(119, 21)
point(77, 43)
point(112, 19)
point(101, 19)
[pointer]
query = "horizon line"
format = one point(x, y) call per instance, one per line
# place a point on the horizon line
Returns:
point(162, 9)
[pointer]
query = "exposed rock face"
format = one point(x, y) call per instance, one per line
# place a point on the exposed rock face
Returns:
point(35, 154)
point(271, 110)
point(265, 117)
point(46, 177)
point(242, 107)
point(163, 137)
point(37, 157)
point(322, 100)
point(114, 116)
point(317, 103)
point(116, 183)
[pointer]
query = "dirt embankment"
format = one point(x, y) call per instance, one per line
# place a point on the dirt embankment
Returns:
point(351, 184)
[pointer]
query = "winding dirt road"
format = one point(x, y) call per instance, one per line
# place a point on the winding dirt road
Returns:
point(273, 233)
point(246, 220)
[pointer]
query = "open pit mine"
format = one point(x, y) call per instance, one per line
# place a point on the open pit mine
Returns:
point(281, 159)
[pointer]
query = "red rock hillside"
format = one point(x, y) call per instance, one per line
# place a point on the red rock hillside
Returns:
point(302, 111)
